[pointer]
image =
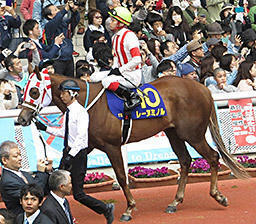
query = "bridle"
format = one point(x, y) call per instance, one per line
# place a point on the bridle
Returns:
point(44, 88)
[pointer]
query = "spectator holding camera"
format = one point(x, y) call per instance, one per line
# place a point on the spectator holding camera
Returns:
point(7, 22)
point(13, 178)
point(56, 25)
point(32, 30)
point(196, 14)
point(8, 95)
point(37, 12)
point(16, 72)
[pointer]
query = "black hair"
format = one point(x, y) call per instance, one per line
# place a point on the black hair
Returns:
point(29, 25)
point(34, 190)
point(46, 12)
point(226, 28)
point(91, 14)
point(154, 17)
point(95, 36)
point(169, 21)
point(135, 26)
point(102, 53)
point(81, 63)
point(8, 61)
point(164, 66)
point(218, 51)
point(243, 72)
point(83, 71)
point(225, 61)
point(164, 46)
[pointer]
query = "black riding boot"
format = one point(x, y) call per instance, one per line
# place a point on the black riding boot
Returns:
point(132, 99)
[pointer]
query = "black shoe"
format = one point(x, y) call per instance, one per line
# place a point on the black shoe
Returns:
point(133, 101)
point(109, 214)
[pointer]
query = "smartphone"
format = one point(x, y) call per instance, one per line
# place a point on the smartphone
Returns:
point(2, 3)
point(27, 45)
point(239, 9)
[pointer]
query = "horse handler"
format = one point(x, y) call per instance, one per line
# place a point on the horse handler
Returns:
point(75, 133)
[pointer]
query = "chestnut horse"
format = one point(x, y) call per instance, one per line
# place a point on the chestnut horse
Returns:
point(190, 110)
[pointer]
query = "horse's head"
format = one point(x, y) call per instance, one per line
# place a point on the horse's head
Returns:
point(36, 96)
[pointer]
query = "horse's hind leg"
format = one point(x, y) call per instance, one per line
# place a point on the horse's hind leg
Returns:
point(116, 159)
point(212, 158)
point(180, 150)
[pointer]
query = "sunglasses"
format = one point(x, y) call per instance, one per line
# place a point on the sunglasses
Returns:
point(98, 17)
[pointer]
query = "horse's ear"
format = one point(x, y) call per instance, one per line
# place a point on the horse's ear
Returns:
point(36, 70)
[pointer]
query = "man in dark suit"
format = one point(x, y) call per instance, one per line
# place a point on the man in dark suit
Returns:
point(56, 206)
point(13, 179)
point(31, 197)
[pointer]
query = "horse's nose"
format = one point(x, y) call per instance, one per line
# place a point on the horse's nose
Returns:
point(22, 121)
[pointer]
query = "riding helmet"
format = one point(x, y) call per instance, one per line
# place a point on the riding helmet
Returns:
point(121, 14)
point(69, 85)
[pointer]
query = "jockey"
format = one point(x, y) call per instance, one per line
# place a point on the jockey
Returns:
point(126, 49)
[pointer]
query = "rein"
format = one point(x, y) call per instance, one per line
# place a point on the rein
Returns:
point(95, 99)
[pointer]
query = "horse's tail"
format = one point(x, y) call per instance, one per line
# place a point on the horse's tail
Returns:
point(237, 169)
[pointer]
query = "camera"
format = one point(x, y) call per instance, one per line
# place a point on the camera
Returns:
point(27, 45)
point(78, 3)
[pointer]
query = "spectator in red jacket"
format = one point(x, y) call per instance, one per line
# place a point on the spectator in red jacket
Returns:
point(26, 9)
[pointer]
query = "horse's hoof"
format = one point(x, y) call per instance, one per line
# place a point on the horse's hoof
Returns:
point(125, 218)
point(171, 209)
point(224, 201)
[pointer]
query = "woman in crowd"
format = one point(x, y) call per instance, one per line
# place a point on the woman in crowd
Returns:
point(148, 72)
point(246, 76)
point(94, 24)
point(154, 47)
point(208, 64)
point(177, 25)
point(221, 80)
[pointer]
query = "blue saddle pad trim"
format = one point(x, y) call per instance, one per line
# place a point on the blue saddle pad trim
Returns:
point(149, 108)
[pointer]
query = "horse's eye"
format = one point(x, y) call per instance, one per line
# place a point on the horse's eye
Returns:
point(34, 93)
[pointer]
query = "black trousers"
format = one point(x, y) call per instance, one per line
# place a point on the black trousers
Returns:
point(65, 68)
point(78, 171)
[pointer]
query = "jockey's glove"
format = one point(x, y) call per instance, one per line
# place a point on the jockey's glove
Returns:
point(115, 71)
point(67, 161)
point(40, 126)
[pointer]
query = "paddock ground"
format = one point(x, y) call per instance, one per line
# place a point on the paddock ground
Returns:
point(198, 207)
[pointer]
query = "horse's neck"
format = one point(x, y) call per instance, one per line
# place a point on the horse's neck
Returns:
point(91, 92)
point(93, 89)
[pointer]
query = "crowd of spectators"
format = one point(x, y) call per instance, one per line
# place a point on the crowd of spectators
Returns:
point(192, 39)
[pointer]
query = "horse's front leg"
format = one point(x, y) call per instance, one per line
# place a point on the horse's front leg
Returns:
point(116, 159)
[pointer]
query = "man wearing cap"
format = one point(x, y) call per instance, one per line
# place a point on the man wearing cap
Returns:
point(126, 50)
point(188, 72)
point(196, 53)
point(75, 133)
point(214, 30)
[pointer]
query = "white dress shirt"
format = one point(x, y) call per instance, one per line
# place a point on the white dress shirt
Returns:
point(78, 128)
point(31, 218)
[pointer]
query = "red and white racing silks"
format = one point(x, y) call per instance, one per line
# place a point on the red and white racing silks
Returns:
point(126, 48)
